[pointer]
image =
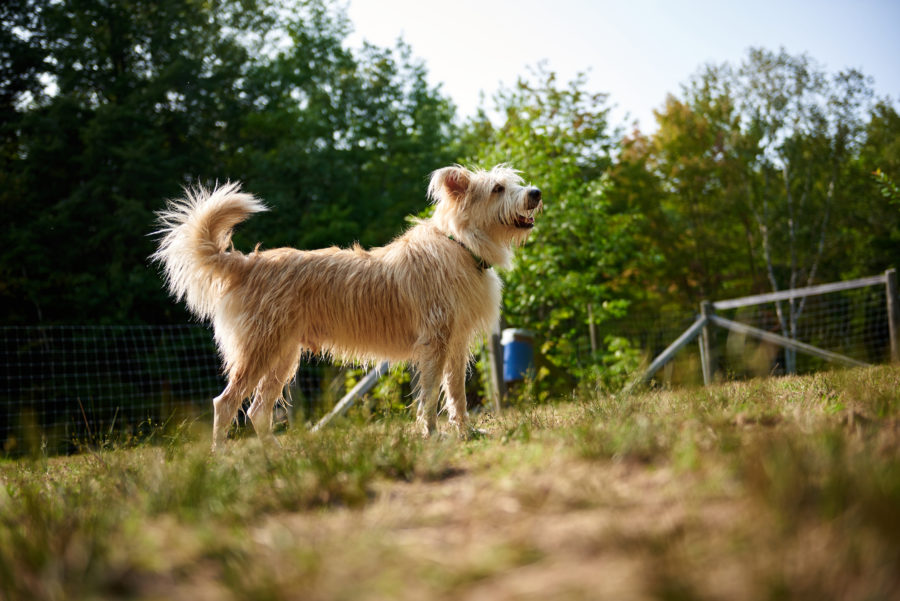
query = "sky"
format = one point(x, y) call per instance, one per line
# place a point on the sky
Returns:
point(637, 51)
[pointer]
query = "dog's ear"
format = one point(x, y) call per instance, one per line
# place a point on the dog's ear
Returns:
point(454, 180)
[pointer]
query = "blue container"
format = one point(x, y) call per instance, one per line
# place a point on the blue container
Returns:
point(518, 353)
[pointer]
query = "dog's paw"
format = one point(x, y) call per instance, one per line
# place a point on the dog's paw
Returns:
point(478, 433)
point(425, 429)
point(466, 431)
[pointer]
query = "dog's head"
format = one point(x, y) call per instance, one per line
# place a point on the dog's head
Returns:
point(484, 206)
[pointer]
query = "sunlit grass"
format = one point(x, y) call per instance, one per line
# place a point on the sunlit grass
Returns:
point(776, 488)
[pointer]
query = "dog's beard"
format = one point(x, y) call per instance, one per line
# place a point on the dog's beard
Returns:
point(517, 216)
point(518, 228)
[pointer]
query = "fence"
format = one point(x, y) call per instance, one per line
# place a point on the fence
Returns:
point(854, 323)
point(61, 385)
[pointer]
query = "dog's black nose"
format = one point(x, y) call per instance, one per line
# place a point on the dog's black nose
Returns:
point(534, 198)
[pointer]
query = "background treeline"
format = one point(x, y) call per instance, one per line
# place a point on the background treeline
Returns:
point(108, 108)
point(761, 175)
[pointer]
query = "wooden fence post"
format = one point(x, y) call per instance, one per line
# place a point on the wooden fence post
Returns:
point(707, 361)
point(664, 357)
point(893, 311)
point(495, 358)
point(592, 329)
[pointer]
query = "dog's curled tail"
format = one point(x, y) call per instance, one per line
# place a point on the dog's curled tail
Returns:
point(194, 235)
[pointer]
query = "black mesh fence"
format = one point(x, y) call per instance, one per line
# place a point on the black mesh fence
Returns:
point(64, 385)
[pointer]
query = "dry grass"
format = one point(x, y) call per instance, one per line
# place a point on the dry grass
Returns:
point(772, 489)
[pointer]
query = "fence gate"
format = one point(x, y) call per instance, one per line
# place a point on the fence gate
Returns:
point(787, 321)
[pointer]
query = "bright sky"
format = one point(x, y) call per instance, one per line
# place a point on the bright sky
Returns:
point(635, 50)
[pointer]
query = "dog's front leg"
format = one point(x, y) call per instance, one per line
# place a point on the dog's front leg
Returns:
point(427, 389)
point(454, 384)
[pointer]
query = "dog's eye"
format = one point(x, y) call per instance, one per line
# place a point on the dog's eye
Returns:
point(498, 189)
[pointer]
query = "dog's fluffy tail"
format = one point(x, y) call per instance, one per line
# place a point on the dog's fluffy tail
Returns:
point(193, 248)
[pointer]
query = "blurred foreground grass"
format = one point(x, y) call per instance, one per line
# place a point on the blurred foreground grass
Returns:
point(770, 489)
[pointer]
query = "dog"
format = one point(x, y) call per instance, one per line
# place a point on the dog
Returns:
point(424, 298)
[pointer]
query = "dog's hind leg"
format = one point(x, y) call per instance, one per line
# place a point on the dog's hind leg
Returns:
point(268, 393)
point(260, 412)
point(225, 408)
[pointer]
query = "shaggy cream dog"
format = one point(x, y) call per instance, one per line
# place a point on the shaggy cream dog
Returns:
point(423, 298)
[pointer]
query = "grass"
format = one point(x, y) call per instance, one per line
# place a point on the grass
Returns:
point(770, 489)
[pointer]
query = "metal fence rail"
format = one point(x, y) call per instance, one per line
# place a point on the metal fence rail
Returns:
point(857, 325)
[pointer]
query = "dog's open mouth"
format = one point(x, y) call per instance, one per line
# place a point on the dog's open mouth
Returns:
point(525, 222)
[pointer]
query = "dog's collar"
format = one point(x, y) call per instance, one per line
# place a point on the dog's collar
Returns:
point(479, 262)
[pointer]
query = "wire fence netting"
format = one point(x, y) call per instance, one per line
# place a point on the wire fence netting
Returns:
point(64, 385)
point(853, 323)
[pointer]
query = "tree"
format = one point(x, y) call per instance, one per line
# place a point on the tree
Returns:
point(807, 125)
point(565, 277)
point(757, 181)
point(874, 229)
point(343, 145)
point(109, 108)
point(697, 154)
point(130, 102)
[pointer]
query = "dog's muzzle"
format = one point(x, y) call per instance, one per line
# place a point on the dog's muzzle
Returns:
point(533, 203)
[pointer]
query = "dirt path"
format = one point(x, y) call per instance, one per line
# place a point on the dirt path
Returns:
point(551, 529)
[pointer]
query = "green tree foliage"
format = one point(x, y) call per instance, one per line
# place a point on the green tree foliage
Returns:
point(559, 137)
point(342, 144)
point(109, 108)
point(759, 175)
point(875, 226)
point(694, 217)
point(804, 127)
point(122, 93)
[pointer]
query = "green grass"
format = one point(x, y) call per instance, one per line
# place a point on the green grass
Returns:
point(770, 489)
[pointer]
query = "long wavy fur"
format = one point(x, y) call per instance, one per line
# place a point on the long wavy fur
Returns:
point(195, 235)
